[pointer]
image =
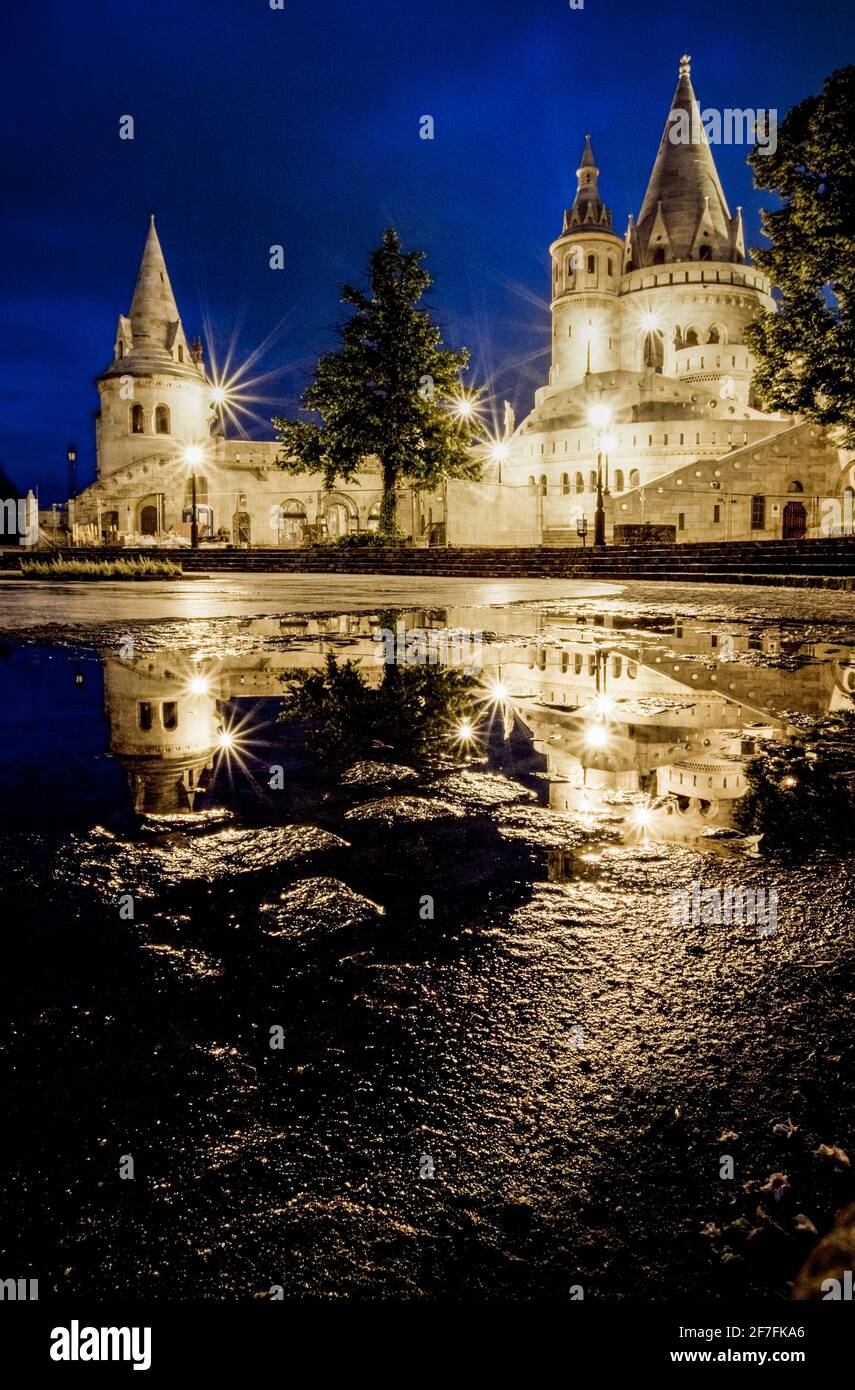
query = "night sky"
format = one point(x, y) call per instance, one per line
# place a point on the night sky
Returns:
point(300, 127)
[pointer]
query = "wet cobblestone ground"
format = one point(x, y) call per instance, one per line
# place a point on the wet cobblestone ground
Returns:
point(532, 1091)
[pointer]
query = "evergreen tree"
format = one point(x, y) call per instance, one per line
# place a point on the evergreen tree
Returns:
point(806, 350)
point(388, 391)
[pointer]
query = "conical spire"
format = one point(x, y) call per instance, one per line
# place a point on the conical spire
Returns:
point(154, 313)
point(684, 215)
point(151, 337)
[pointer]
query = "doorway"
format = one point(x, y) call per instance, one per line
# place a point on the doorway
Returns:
point(795, 521)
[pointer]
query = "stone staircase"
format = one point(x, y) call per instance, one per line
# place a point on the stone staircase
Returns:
point(827, 563)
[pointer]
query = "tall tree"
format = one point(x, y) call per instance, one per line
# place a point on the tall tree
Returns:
point(389, 390)
point(806, 350)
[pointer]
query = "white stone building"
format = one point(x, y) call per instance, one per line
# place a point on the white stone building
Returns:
point(160, 424)
point(650, 380)
point(647, 337)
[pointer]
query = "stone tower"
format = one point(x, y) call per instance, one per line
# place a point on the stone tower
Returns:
point(155, 397)
point(686, 295)
point(587, 261)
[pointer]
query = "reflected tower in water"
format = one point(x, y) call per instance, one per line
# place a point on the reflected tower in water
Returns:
point(165, 719)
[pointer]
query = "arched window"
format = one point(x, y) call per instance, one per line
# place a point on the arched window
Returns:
point(180, 353)
point(714, 335)
point(565, 483)
point(795, 486)
point(691, 339)
point(659, 256)
point(569, 265)
point(653, 350)
point(580, 483)
point(611, 266)
point(617, 665)
point(577, 663)
point(705, 253)
point(169, 714)
point(592, 265)
point(161, 420)
point(532, 486)
point(570, 330)
point(137, 420)
point(634, 477)
point(632, 670)
point(592, 481)
point(120, 349)
point(543, 484)
point(618, 480)
point(148, 520)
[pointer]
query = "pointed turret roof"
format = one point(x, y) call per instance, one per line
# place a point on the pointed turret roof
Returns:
point(589, 212)
point(153, 307)
point(151, 337)
point(684, 208)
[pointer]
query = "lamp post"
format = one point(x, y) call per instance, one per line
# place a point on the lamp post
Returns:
point(192, 457)
point(599, 416)
point(71, 455)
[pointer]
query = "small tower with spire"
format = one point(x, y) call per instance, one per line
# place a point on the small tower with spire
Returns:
point(155, 396)
point(586, 269)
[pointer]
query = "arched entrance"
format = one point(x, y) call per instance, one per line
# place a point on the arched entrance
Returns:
point(241, 528)
point(338, 517)
point(148, 520)
point(293, 523)
point(795, 521)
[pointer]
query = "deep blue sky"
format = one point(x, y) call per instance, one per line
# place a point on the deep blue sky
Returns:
point(301, 127)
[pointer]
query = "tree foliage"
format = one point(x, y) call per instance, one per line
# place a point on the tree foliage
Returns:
point(414, 711)
point(801, 796)
point(385, 392)
point(806, 350)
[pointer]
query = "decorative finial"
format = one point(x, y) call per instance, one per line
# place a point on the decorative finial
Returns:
point(685, 65)
point(151, 219)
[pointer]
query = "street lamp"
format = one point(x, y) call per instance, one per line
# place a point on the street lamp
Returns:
point(71, 455)
point(193, 456)
point(499, 453)
point(599, 416)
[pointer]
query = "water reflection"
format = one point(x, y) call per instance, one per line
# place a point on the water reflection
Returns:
point(646, 723)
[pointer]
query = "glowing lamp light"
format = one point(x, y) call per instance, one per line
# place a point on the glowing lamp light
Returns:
point(219, 395)
point(464, 728)
point(608, 443)
point(642, 817)
point(789, 781)
point(499, 691)
point(463, 409)
point(599, 416)
point(596, 736)
point(499, 452)
point(226, 739)
point(604, 705)
point(192, 455)
point(650, 321)
point(199, 685)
